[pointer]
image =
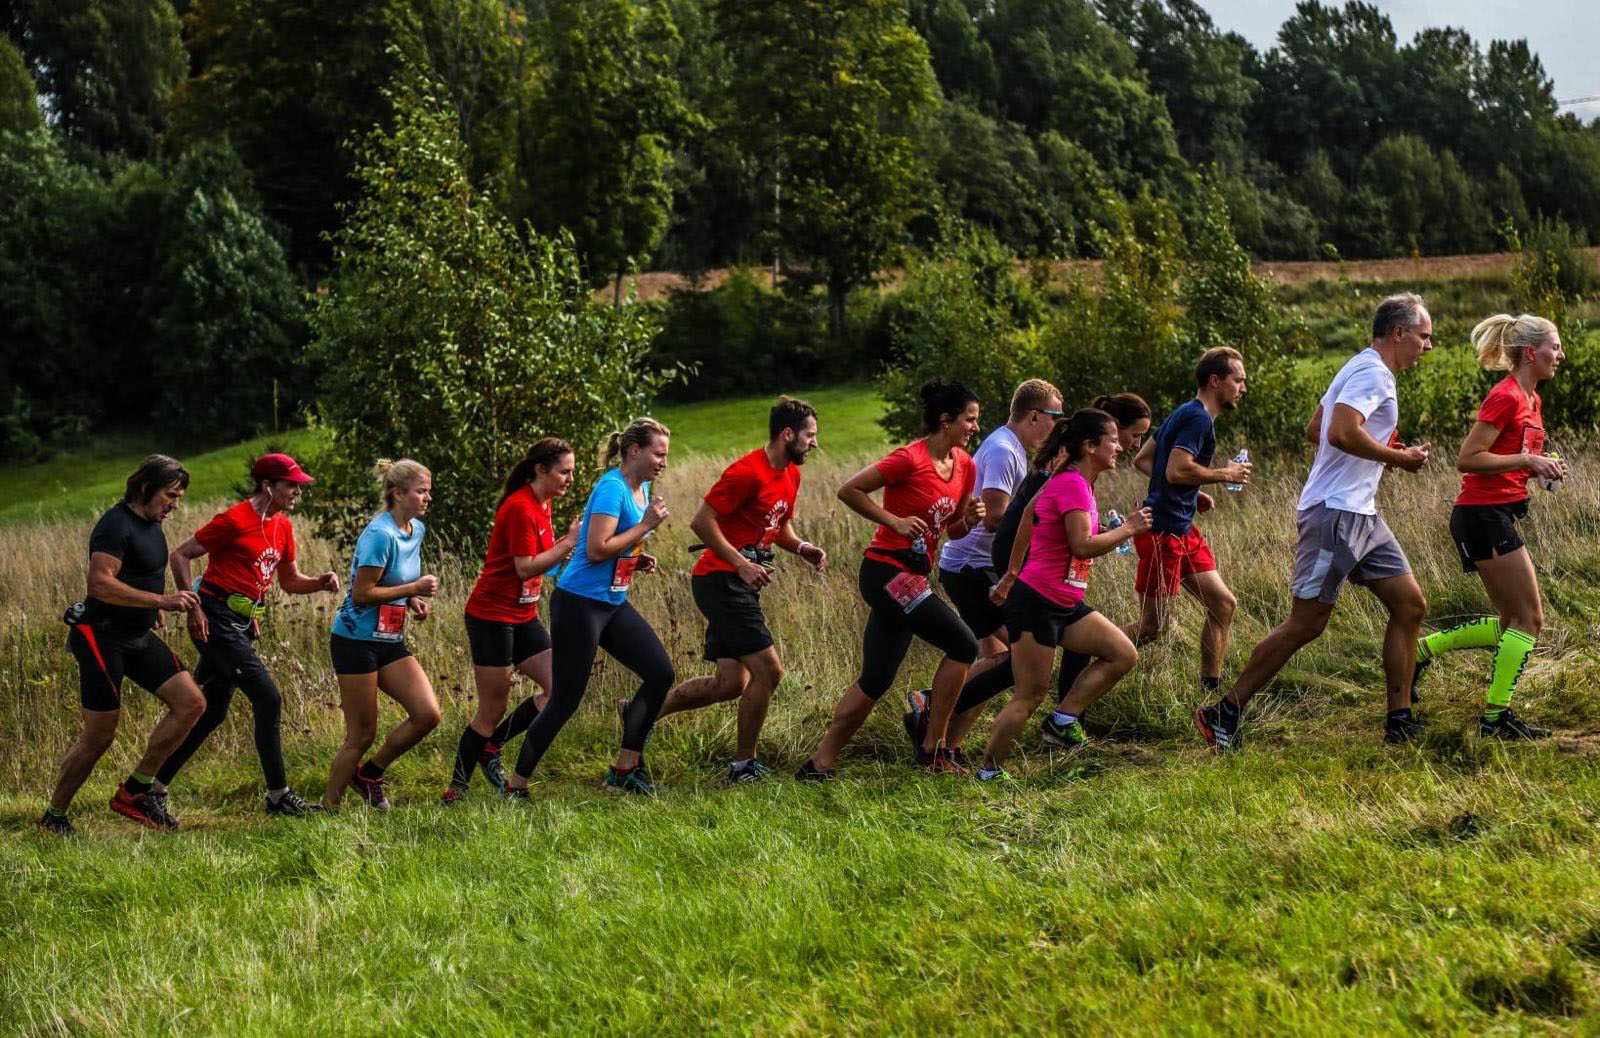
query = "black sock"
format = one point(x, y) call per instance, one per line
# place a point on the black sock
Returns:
point(1211, 684)
point(516, 722)
point(370, 770)
point(1229, 712)
point(136, 783)
point(468, 751)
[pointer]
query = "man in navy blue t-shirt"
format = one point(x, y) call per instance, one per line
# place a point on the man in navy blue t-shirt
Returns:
point(1172, 553)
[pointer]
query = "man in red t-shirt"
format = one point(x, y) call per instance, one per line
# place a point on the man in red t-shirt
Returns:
point(748, 511)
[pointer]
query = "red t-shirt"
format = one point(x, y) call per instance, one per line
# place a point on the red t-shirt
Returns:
point(245, 549)
point(912, 487)
point(1521, 425)
point(752, 501)
point(521, 528)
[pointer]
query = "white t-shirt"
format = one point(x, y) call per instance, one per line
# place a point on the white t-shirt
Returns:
point(1002, 464)
point(1344, 481)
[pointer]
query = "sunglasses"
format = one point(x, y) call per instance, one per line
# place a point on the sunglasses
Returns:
point(1052, 414)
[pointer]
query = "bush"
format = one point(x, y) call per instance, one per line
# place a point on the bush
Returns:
point(446, 339)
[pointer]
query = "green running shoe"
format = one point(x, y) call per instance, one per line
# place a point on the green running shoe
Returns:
point(634, 781)
point(1063, 736)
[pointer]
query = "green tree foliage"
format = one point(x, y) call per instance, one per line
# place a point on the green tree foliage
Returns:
point(830, 96)
point(446, 338)
point(19, 107)
point(603, 123)
point(105, 68)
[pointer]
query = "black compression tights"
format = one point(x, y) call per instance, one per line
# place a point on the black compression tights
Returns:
point(579, 627)
point(265, 701)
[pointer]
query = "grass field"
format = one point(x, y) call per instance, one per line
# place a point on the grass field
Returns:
point(1316, 883)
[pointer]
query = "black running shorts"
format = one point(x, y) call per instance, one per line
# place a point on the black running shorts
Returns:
point(735, 624)
point(968, 591)
point(497, 644)
point(1028, 612)
point(359, 656)
point(105, 658)
point(1484, 531)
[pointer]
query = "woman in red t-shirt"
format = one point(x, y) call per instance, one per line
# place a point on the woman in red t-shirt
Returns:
point(1504, 450)
point(503, 628)
point(927, 490)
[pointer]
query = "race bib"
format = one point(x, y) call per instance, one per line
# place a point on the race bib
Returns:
point(391, 621)
point(908, 590)
point(1532, 439)
point(1077, 574)
point(529, 594)
point(622, 575)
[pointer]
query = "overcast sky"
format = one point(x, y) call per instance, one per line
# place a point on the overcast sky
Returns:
point(1564, 33)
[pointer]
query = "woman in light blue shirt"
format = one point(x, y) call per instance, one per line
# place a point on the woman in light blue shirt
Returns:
point(368, 642)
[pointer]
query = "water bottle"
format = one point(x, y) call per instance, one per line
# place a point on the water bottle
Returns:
point(1113, 520)
point(1241, 458)
point(1552, 484)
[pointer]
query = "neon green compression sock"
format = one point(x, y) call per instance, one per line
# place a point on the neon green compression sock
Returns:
point(1509, 659)
point(1482, 633)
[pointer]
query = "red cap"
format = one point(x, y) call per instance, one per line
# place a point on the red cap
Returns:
point(279, 466)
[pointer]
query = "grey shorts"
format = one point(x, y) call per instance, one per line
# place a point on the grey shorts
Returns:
point(1337, 546)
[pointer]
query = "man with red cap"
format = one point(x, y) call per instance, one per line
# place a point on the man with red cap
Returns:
point(247, 545)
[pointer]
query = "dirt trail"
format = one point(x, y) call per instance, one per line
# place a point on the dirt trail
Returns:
point(656, 284)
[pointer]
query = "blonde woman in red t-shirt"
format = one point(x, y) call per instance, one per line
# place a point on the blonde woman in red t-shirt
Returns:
point(503, 627)
point(1504, 450)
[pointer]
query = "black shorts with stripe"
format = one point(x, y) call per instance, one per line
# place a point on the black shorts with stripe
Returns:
point(105, 657)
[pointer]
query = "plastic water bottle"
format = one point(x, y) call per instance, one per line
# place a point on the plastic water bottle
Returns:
point(1113, 520)
point(1241, 458)
point(1552, 484)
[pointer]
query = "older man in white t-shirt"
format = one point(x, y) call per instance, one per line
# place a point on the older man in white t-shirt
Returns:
point(1342, 536)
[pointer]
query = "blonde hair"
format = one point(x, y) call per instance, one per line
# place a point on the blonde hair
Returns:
point(639, 433)
point(1034, 393)
point(397, 476)
point(1501, 339)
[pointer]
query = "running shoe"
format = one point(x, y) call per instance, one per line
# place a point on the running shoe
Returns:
point(809, 772)
point(994, 775)
point(142, 809)
point(56, 825)
point(915, 719)
point(634, 781)
point(292, 805)
point(158, 797)
point(751, 770)
point(491, 766)
point(1062, 736)
point(514, 793)
point(1216, 734)
point(940, 762)
point(1397, 731)
point(959, 755)
point(1416, 679)
point(453, 795)
point(372, 790)
point(1510, 728)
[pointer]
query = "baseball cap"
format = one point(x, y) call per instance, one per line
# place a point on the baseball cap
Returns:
point(279, 466)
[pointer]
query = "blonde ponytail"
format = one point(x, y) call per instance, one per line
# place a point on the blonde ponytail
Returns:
point(1501, 340)
point(639, 433)
point(396, 476)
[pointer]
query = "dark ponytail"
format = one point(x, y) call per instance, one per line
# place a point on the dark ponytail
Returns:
point(940, 398)
point(1083, 425)
point(1124, 408)
point(545, 453)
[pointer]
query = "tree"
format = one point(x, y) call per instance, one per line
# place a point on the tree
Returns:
point(19, 107)
point(104, 68)
point(831, 96)
point(446, 338)
point(602, 129)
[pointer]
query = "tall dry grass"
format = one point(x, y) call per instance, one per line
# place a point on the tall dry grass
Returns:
point(818, 619)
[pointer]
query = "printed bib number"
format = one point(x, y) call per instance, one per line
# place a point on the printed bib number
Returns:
point(1077, 573)
point(391, 620)
point(529, 593)
point(908, 590)
point(622, 576)
point(1532, 439)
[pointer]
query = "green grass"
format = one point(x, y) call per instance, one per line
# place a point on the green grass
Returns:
point(847, 422)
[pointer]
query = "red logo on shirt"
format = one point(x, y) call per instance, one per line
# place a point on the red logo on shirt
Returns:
point(940, 511)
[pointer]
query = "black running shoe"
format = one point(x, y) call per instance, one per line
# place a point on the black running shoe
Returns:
point(1397, 731)
point(809, 772)
point(751, 770)
point(492, 768)
point(141, 808)
point(1510, 728)
point(1213, 729)
point(1416, 679)
point(292, 805)
point(372, 790)
point(56, 825)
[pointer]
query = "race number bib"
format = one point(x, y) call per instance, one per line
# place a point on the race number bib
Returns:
point(529, 593)
point(1077, 575)
point(622, 575)
point(908, 590)
point(391, 621)
point(1532, 439)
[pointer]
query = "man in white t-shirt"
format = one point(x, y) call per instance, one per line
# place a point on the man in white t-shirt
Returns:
point(1342, 537)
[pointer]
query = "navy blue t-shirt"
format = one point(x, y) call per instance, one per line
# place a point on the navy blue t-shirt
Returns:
point(1189, 428)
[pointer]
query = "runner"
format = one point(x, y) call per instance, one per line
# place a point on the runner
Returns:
point(590, 608)
point(748, 511)
point(248, 544)
point(368, 640)
point(1172, 553)
point(503, 627)
point(1342, 537)
point(924, 487)
point(1132, 416)
point(1502, 452)
point(1044, 596)
point(111, 634)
